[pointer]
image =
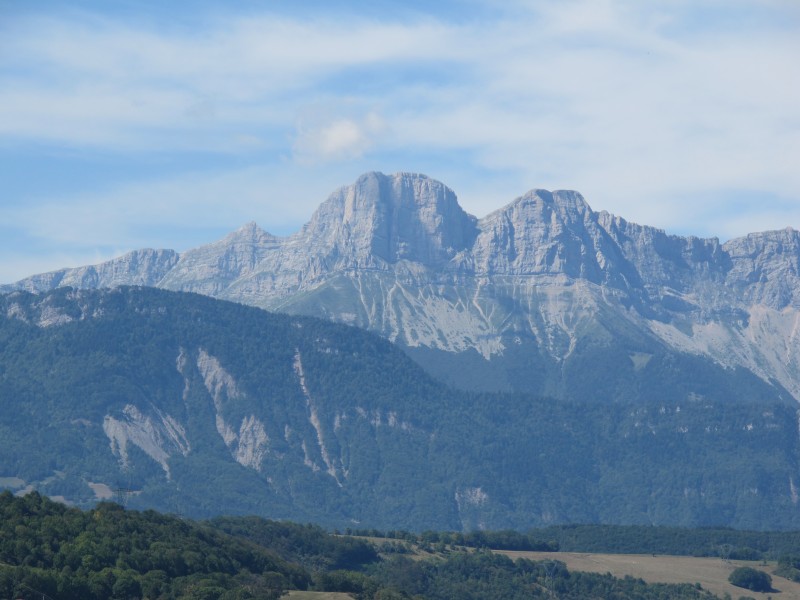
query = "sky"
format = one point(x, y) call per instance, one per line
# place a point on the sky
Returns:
point(135, 124)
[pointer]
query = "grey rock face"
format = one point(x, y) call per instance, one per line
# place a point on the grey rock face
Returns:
point(140, 267)
point(381, 220)
point(544, 233)
point(214, 268)
point(397, 255)
point(765, 268)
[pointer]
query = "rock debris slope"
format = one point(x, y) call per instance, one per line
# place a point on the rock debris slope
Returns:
point(543, 295)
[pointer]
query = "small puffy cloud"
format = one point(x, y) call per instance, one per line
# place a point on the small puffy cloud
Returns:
point(337, 139)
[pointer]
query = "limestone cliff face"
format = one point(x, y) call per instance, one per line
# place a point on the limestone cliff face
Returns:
point(411, 224)
point(397, 255)
point(381, 220)
point(371, 225)
point(670, 268)
point(212, 269)
point(140, 267)
point(550, 233)
point(765, 268)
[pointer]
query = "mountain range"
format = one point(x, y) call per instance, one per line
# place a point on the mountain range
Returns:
point(570, 367)
point(544, 296)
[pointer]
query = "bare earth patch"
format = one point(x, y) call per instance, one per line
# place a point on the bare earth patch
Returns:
point(101, 491)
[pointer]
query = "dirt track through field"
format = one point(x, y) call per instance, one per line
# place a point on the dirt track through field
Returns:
point(711, 573)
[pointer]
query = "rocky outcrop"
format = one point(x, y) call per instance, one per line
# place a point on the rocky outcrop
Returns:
point(157, 435)
point(542, 233)
point(381, 220)
point(765, 268)
point(212, 269)
point(140, 267)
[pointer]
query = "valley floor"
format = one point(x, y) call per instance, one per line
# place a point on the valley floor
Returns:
point(711, 573)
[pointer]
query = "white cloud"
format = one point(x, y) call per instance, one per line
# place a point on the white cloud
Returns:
point(101, 82)
point(339, 138)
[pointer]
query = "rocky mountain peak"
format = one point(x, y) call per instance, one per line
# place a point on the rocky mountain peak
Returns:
point(567, 206)
point(249, 232)
point(552, 233)
point(404, 216)
point(210, 269)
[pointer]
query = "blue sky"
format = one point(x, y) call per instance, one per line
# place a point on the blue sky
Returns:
point(167, 124)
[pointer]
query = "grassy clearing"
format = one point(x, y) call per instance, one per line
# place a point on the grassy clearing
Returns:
point(711, 573)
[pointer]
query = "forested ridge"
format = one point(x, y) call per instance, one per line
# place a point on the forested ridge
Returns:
point(106, 387)
point(109, 552)
point(48, 549)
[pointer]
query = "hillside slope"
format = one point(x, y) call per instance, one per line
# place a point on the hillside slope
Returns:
point(203, 407)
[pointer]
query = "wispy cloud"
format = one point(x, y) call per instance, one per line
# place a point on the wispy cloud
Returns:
point(337, 138)
point(656, 111)
point(101, 82)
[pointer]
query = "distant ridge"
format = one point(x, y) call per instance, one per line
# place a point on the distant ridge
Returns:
point(203, 407)
point(513, 301)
